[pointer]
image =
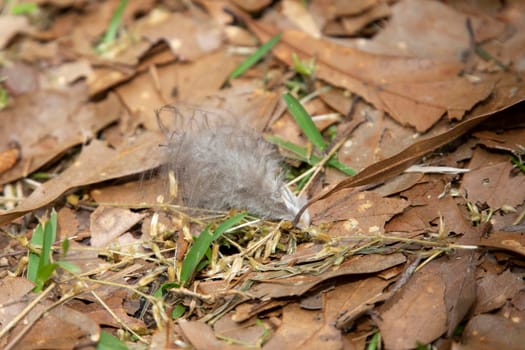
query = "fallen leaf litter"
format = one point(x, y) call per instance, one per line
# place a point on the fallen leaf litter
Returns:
point(398, 259)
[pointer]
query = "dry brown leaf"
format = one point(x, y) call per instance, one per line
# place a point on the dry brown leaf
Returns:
point(58, 120)
point(8, 159)
point(326, 337)
point(201, 336)
point(495, 290)
point(297, 13)
point(297, 324)
point(422, 298)
point(507, 95)
point(366, 208)
point(130, 193)
point(489, 332)
point(491, 180)
point(115, 302)
point(426, 211)
point(176, 82)
point(20, 78)
point(349, 301)
point(512, 241)
point(104, 77)
point(96, 163)
point(426, 28)
point(12, 292)
point(61, 76)
point(252, 5)
point(460, 286)
point(413, 91)
point(298, 285)
point(67, 223)
point(247, 310)
point(330, 9)
point(379, 137)
point(250, 333)
point(10, 26)
point(75, 328)
point(107, 224)
point(188, 35)
point(509, 140)
point(353, 24)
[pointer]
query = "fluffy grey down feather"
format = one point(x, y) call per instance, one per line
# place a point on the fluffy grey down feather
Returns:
point(231, 166)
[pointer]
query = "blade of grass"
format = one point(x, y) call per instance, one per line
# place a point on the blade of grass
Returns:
point(50, 234)
point(39, 266)
point(110, 342)
point(516, 162)
point(375, 342)
point(201, 245)
point(24, 8)
point(256, 56)
point(305, 122)
point(34, 258)
point(302, 155)
point(178, 311)
point(111, 33)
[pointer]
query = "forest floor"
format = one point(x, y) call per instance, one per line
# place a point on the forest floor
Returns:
point(422, 248)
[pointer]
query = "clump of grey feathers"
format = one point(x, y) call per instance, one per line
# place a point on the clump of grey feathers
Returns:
point(228, 166)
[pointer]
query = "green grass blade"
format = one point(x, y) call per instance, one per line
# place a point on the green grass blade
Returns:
point(305, 122)
point(256, 56)
point(24, 8)
point(111, 33)
point(39, 267)
point(302, 155)
point(110, 342)
point(516, 162)
point(44, 274)
point(65, 247)
point(34, 258)
point(201, 245)
point(375, 342)
point(159, 293)
point(178, 311)
point(50, 234)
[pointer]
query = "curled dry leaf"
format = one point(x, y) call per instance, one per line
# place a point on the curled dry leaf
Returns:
point(8, 159)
